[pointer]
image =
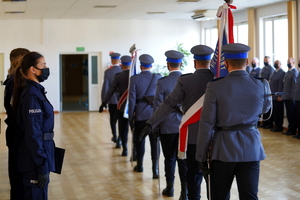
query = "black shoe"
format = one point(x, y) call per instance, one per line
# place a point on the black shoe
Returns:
point(290, 133)
point(276, 129)
point(139, 166)
point(155, 169)
point(295, 136)
point(169, 190)
point(267, 127)
point(113, 139)
point(124, 153)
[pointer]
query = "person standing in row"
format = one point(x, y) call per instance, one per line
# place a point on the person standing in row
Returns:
point(276, 85)
point(35, 120)
point(228, 129)
point(266, 73)
point(113, 101)
point(296, 99)
point(140, 109)
point(255, 72)
point(289, 82)
point(120, 84)
point(15, 179)
point(188, 90)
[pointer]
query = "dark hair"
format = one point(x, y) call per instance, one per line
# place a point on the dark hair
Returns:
point(30, 59)
point(237, 63)
point(174, 65)
point(16, 53)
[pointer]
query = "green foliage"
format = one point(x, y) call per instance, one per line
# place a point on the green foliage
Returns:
point(185, 61)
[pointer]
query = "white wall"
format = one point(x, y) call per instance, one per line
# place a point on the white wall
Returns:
point(53, 37)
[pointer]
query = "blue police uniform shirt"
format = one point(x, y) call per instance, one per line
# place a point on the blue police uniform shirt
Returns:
point(276, 82)
point(164, 87)
point(233, 100)
point(120, 85)
point(255, 72)
point(296, 93)
point(266, 72)
point(137, 88)
point(289, 82)
point(34, 118)
point(108, 79)
point(189, 88)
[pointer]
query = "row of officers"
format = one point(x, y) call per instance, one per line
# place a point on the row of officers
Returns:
point(225, 128)
point(287, 84)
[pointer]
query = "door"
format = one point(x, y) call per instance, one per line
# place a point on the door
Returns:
point(2, 79)
point(94, 81)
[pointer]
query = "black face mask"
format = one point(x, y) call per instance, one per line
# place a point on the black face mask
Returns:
point(266, 63)
point(253, 65)
point(276, 66)
point(44, 76)
point(289, 65)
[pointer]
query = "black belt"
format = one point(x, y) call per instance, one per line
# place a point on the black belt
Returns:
point(48, 136)
point(237, 127)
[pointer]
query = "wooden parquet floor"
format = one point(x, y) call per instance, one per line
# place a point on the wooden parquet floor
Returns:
point(93, 168)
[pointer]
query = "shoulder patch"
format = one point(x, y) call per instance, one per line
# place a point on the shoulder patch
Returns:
point(260, 78)
point(216, 79)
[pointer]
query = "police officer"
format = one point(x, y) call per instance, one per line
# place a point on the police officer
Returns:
point(169, 128)
point(296, 98)
point(15, 179)
point(266, 73)
point(113, 101)
point(189, 88)
point(231, 126)
point(141, 95)
point(120, 84)
point(289, 82)
point(35, 120)
point(255, 72)
point(276, 85)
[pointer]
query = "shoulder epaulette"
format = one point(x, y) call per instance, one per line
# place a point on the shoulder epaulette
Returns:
point(216, 79)
point(260, 78)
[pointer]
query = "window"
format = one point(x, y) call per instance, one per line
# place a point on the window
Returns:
point(211, 37)
point(240, 33)
point(276, 39)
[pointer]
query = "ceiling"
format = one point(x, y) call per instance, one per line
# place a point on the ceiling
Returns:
point(123, 9)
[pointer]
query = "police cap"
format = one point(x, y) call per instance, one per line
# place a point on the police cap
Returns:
point(146, 60)
point(235, 51)
point(126, 60)
point(174, 56)
point(202, 52)
point(115, 56)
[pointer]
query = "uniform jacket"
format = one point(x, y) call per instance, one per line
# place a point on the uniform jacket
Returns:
point(138, 85)
point(164, 87)
point(35, 117)
point(266, 72)
point(255, 72)
point(109, 75)
point(276, 82)
point(234, 100)
point(120, 85)
point(296, 93)
point(11, 118)
point(289, 82)
point(189, 88)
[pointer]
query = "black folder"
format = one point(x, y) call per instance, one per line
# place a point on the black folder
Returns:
point(59, 158)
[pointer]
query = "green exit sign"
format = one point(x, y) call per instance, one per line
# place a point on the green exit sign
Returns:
point(80, 49)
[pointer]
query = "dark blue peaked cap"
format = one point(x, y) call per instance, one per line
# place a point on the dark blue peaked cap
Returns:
point(174, 56)
point(146, 60)
point(202, 52)
point(126, 60)
point(235, 51)
point(115, 56)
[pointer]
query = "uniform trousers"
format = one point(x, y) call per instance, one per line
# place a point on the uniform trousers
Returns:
point(246, 174)
point(112, 108)
point(291, 115)
point(140, 145)
point(277, 114)
point(194, 175)
point(169, 144)
point(298, 116)
point(123, 129)
point(31, 190)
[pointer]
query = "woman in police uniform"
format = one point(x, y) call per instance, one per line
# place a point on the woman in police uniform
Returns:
point(35, 120)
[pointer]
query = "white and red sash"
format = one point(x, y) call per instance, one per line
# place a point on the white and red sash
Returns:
point(193, 115)
point(122, 100)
